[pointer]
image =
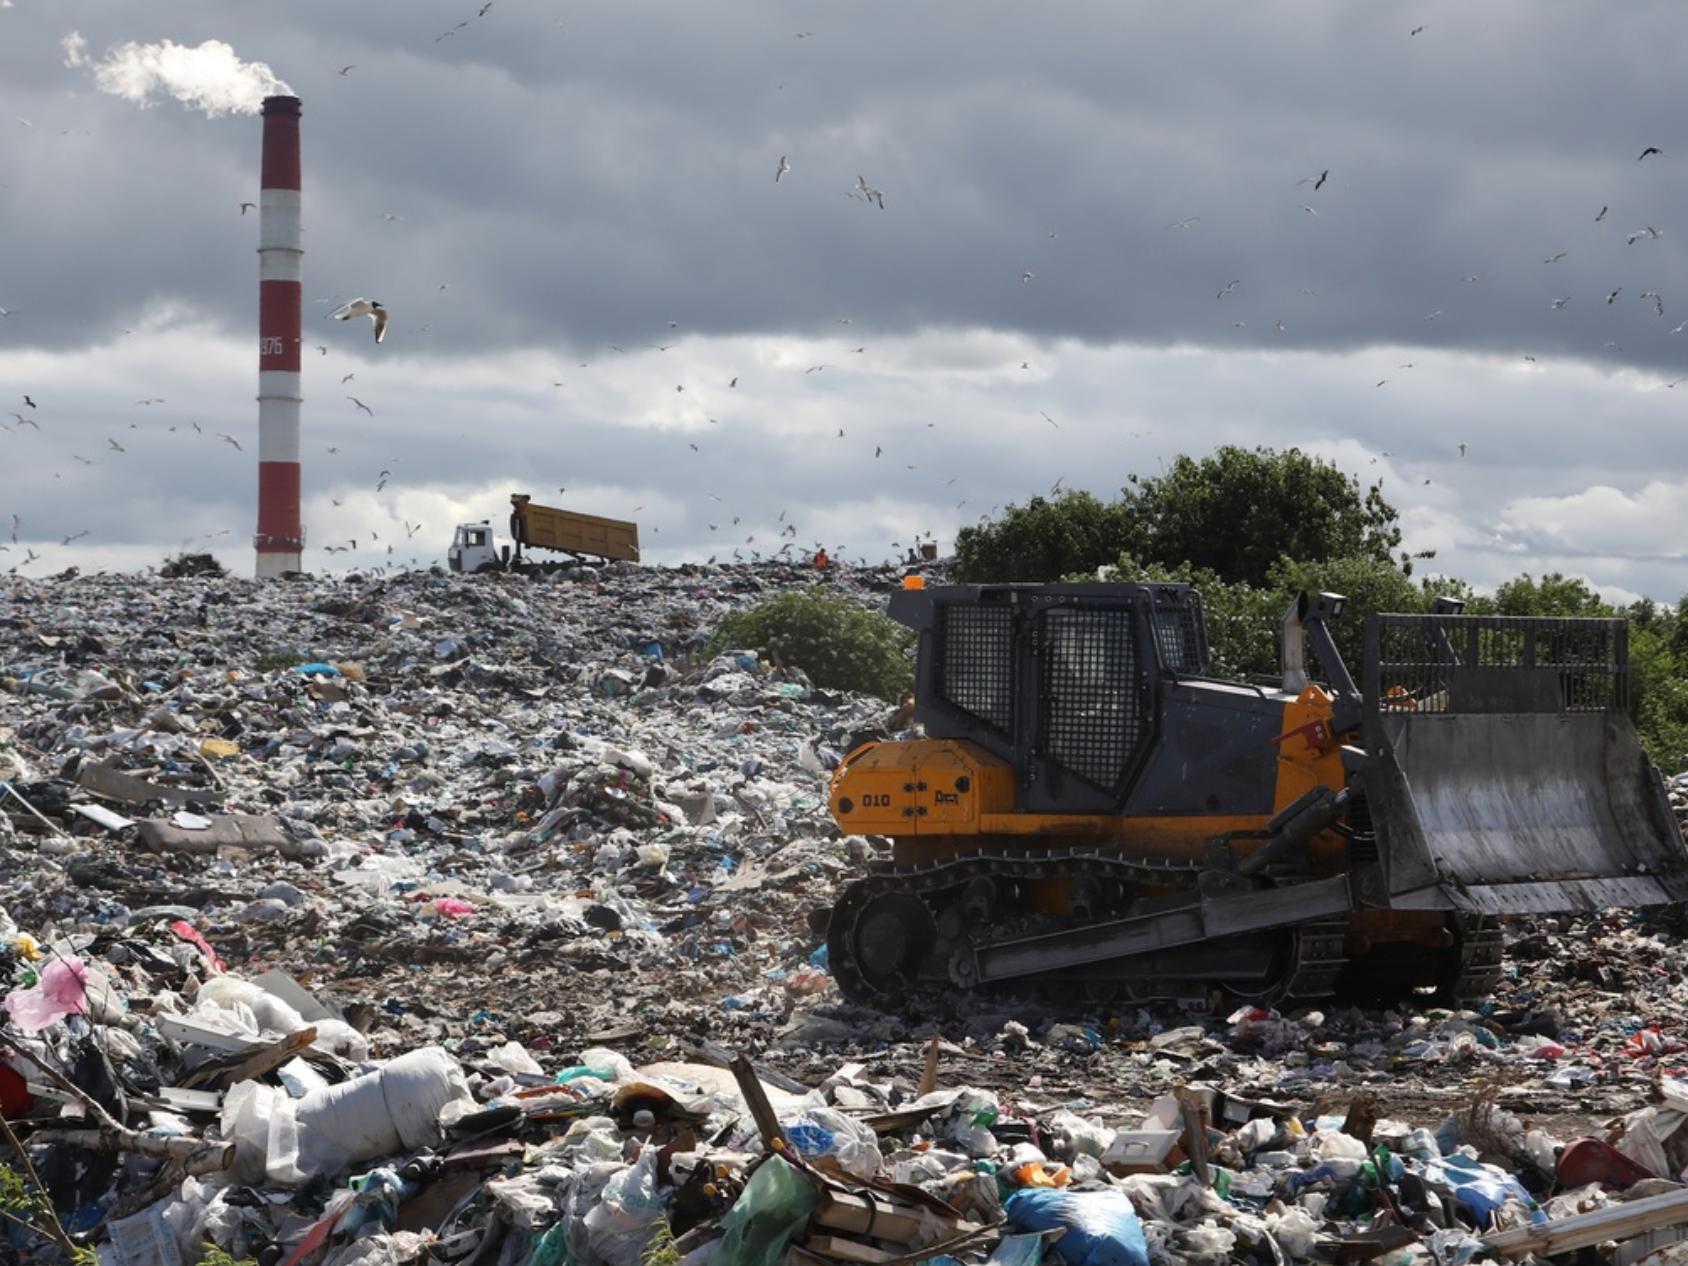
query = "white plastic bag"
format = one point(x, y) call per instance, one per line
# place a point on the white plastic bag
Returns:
point(620, 1224)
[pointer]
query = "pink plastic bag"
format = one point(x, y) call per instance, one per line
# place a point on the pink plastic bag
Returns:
point(452, 907)
point(193, 936)
point(62, 991)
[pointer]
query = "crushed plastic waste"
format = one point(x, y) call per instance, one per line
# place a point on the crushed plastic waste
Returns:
point(422, 918)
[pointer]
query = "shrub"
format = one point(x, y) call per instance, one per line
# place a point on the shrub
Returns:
point(839, 643)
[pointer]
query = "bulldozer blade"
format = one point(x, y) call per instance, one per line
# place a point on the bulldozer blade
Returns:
point(1504, 775)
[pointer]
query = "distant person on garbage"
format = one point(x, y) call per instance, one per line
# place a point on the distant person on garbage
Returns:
point(821, 560)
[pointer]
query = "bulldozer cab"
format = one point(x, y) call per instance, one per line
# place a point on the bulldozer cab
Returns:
point(1503, 774)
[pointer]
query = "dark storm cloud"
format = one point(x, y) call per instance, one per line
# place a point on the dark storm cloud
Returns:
point(590, 181)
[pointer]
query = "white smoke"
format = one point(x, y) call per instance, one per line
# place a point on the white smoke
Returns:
point(209, 78)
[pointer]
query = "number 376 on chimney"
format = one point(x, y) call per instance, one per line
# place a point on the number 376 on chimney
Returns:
point(269, 345)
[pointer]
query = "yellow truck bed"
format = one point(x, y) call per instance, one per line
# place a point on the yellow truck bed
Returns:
point(546, 527)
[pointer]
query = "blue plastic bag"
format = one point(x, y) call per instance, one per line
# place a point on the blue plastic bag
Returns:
point(1102, 1226)
point(1482, 1188)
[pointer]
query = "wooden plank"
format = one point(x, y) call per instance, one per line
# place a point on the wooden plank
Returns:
point(864, 1214)
point(841, 1249)
point(252, 1060)
point(1615, 1222)
point(929, 1075)
point(1195, 1135)
point(761, 1111)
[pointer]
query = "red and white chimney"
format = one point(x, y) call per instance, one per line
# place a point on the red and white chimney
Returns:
point(280, 540)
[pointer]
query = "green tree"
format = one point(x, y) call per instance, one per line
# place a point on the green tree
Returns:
point(1238, 511)
point(839, 643)
point(1370, 585)
point(1553, 594)
point(1042, 540)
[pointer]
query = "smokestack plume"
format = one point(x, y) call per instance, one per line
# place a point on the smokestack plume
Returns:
point(280, 540)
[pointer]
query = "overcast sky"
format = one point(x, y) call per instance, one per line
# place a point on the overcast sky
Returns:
point(552, 182)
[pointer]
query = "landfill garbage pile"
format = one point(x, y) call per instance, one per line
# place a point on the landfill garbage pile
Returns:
point(465, 920)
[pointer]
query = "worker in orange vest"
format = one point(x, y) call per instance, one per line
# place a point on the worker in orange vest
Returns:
point(821, 560)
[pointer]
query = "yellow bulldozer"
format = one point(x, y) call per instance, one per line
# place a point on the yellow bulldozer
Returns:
point(1092, 815)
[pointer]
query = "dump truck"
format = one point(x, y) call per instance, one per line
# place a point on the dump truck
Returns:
point(475, 547)
point(1092, 814)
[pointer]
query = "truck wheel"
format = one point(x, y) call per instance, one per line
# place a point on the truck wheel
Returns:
point(491, 565)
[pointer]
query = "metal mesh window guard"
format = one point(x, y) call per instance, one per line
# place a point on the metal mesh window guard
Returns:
point(1092, 697)
point(976, 662)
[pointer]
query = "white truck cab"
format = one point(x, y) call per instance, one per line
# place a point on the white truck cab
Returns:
point(475, 546)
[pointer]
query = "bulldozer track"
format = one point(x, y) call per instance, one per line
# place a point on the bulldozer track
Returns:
point(1317, 959)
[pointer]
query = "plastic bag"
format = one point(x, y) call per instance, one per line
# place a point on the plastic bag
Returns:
point(620, 1224)
point(774, 1207)
point(62, 990)
point(821, 1132)
point(1102, 1226)
point(1483, 1188)
point(1294, 1231)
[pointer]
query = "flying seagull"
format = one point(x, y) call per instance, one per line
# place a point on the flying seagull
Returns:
point(1316, 181)
point(1185, 223)
point(30, 402)
point(1415, 30)
point(1559, 303)
point(1602, 214)
point(1614, 294)
point(1309, 210)
point(869, 193)
point(1554, 259)
point(229, 439)
point(1026, 277)
point(346, 70)
point(248, 206)
point(1646, 230)
point(781, 169)
point(1228, 289)
point(1651, 149)
point(360, 404)
point(370, 308)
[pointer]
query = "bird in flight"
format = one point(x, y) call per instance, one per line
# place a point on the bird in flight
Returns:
point(1559, 303)
point(370, 308)
point(1602, 214)
point(360, 404)
point(248, 206)
point(1462, 450)
point(1657, 298)
point(1646, 230)
point(1228, 289)
point(1614, 294)
point(116, 445)
point(348, 378)
point(1651, 149)
point(1052, 422)
point(1185, 223)
point(1026, 278)
point(869, 193)
point(781, 169)
point(1316, 181)
point(230, 440)
point(346, 70)
point(1431, 316)
point(1309, 210)
point(30, 402)
point(1554, 259)
point(1415, 30)
point(734, 382)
